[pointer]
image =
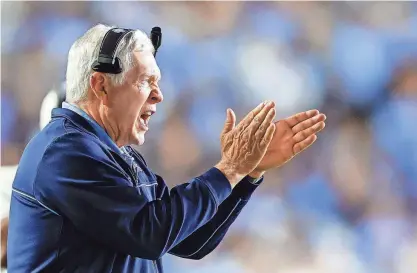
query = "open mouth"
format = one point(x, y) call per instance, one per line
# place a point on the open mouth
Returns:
point(145, 117)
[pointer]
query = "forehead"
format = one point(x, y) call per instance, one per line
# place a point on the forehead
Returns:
point(147, 66)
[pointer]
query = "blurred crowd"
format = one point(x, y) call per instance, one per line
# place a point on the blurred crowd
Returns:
point(348, 204)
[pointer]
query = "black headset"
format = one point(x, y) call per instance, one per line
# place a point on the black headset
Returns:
point(107, 62)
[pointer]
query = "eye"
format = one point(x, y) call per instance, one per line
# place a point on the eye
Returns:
point(143, 84)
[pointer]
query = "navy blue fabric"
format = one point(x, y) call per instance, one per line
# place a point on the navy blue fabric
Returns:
point(78, 206)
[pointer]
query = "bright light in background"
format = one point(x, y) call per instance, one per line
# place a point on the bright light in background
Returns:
point(271, 75)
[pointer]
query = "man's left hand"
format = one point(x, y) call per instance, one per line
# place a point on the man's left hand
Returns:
point(292, 136)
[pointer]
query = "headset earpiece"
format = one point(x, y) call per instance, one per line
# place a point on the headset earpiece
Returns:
point(107, 62)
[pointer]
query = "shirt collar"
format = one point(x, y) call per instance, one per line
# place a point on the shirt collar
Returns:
point(93, 123)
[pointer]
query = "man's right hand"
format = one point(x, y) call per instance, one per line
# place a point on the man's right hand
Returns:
point(244, 146)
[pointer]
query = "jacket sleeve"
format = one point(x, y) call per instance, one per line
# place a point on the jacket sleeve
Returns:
point(208, 237)
point(80, 181)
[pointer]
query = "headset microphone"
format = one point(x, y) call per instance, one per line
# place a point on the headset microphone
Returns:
point(156, 38)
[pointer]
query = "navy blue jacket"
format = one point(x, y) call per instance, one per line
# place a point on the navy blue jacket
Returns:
point(78, 206)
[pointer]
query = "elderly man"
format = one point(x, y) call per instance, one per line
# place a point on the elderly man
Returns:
point(84, 201)
point(54, 98)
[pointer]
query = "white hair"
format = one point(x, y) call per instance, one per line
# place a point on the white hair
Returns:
point(85, 51)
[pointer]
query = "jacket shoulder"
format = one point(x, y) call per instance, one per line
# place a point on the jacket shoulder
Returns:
point(76, 158)
point(77, 143)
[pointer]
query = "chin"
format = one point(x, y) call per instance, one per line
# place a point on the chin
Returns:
point(139, 138)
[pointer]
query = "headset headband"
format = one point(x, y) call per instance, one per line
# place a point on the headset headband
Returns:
point(107, 62)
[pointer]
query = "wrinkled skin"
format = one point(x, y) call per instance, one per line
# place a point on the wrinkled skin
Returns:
point(243, 146)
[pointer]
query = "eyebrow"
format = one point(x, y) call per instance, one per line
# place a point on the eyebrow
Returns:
point(153, 76)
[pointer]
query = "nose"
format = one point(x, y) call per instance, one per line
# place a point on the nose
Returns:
point(156, 95)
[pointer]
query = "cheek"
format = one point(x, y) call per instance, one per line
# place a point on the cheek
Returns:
point(129, 116)
point(134, 106)
point(127, 106)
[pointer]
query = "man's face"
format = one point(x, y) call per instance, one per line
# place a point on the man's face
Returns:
point(128, 107)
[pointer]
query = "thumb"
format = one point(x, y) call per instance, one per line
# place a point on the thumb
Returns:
point(230, 121)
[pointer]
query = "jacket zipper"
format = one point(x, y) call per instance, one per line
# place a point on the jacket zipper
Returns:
point(131, 150)
point(133, 171)
point(136, 153)
point(134, 175)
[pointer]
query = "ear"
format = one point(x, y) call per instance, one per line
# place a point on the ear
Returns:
point(99, 84)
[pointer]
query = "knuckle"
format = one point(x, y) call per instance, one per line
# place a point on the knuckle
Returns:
point(245, 149)
point(258, 135)
point(243, 127)
point(238, 134)
point(244, 137)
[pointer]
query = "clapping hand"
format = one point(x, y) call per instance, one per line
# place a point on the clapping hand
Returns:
point(244, 146)
point(292, 136)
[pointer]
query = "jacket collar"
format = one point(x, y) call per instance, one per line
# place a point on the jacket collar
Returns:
point(82, 120)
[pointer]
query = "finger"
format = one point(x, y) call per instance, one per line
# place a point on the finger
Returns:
point(269, 134)
point(260, 131)
point(249, 117)
point(308, 123)
point(263, 115)
point(300, 117)
point(301, 146)
point(230, 122)
point(254, 114)
point(300, 136)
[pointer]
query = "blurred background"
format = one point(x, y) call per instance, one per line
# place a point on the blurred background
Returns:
point(348, 204)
